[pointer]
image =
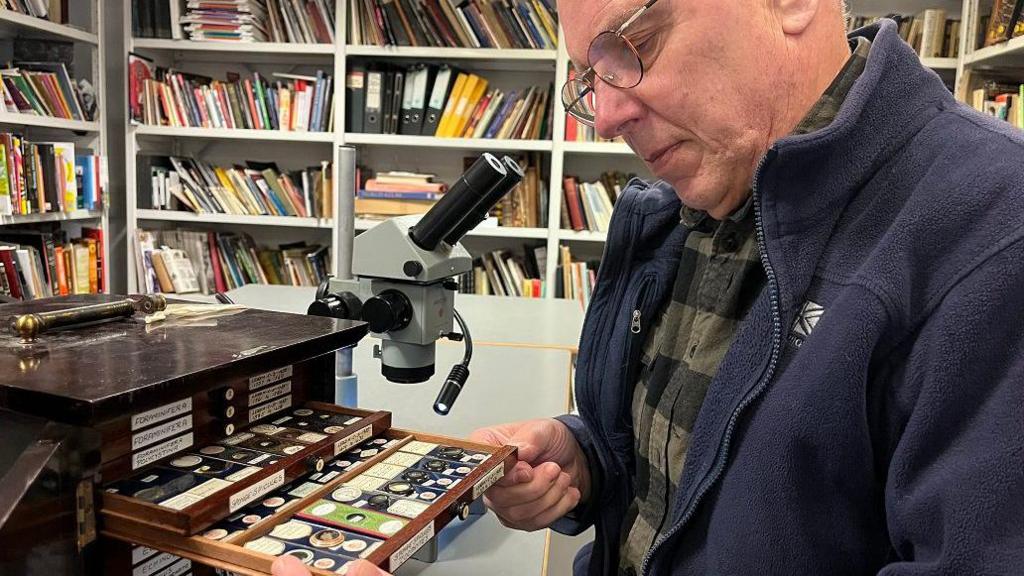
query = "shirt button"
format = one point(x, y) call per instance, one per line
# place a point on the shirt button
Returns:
point(730, 244)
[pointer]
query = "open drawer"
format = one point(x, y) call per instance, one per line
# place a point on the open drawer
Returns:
point(396, 492)
point(188, 491)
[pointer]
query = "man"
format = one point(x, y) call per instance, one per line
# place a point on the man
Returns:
point(813, 363)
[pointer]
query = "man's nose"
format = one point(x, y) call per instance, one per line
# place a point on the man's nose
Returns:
point(616, 110)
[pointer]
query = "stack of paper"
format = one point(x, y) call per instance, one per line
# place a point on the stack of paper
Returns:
point(227, 20)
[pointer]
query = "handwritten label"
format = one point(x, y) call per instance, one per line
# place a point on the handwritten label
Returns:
point(250, 494)
point(492, 477)
point(269, 408)
point(150, 455)
point(260, 380)
point(178, 569)
point(348, 442)
point(155, 565)
point(410, 547)
point(165, 412)
point(161, 432)
point(140, 553)
point(269, 393)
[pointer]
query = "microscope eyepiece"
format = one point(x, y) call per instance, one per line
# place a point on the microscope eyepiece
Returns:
point(479, 212)
point(461, 198)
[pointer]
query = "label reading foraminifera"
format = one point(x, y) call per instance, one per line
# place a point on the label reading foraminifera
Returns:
point(253, 492)
point(410, 547)
point(346, 443)
point(492, 477)
point(261, 380)
point(160, 451)
point(161, 432)
point(165, 412)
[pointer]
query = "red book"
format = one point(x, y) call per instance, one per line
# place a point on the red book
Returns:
point(319, 26)
point(257, 118)
point(7, 257)
point(62, 271)
point(572, 200)
point(218, 277)
point(536, 287)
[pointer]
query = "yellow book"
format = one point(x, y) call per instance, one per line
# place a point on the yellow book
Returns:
point(444, 126)
point(464, 109)
point(236, 205)
point(284, 109)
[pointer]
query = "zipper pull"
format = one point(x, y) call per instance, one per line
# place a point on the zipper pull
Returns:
point(634, 326)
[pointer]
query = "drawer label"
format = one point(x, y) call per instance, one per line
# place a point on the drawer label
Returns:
point(250, 494)
point(348, 442)
point(178, 569)
point(490, 479)
point(410, 547)
point(270, 393)
point(165, 412)
point(161, 432)
point(260, 380)
point(264, 410)
point(150, 455)
point(140, 553)
point(154, 565)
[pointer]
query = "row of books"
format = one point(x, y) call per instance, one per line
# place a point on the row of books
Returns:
point(588, 205)
point(295, 21)
point(42, 263)
point(454, 23)
point(52, 10)
point(401, 194)
point(254, 188)
point(44, 89)
point(1001, 100)
point(443, 102)
point(502, 273)
point(38, 177)
point(575, 279)
point(290, 102)
point(930, 32)
point(223, 261)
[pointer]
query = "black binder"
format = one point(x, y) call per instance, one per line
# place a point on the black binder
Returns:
point(355, 98)
point(374, 98)
point(439, 91)
point(395, 109)
point(414, 101)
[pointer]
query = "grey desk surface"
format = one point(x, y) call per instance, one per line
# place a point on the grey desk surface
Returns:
point(480, 545)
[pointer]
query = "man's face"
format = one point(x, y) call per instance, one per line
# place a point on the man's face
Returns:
point(699, 118)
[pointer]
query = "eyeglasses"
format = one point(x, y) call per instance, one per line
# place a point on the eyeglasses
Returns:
point(612, 58)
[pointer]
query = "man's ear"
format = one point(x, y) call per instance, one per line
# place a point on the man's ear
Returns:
point(795, 15)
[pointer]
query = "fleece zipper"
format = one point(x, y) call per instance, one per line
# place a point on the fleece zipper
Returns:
point(714, 475)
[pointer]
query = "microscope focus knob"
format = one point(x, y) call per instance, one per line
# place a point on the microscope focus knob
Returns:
point(387, 312)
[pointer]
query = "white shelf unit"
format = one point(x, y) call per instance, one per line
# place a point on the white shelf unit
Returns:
point(86, 135)
point(549, 66)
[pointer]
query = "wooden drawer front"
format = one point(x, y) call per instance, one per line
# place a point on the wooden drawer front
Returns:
point(188, 491)
point(137, 439)
point(283, 529)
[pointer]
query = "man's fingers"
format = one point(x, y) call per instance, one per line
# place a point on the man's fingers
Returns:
point(515, 494)
point(489, 436)
point(519, 474)
point(569, 501)
point(288, 566)
point(364, 568)
point(550, 498)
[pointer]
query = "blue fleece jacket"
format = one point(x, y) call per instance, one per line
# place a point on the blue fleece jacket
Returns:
point(869, 418)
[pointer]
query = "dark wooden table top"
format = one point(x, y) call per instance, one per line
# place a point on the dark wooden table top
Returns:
point(90, 374)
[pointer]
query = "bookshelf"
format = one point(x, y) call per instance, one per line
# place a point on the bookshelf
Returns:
point(507, 66)
point(90, 52)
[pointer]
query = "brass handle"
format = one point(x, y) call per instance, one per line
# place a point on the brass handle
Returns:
point(30, 326)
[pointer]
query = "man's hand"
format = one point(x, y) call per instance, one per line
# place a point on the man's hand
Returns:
point(550, 479)
point(292, 566)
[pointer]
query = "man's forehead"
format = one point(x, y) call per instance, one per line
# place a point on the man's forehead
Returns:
point(584, 19)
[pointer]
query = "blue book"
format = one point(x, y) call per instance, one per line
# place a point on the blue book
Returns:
point(478, 29)
point(502, 115)
point(318, 98)
point(524, 11)
point(86, 173)
point(376, 195)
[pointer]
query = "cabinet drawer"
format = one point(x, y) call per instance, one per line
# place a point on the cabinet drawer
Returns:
point(382, 509)
point(186, 492)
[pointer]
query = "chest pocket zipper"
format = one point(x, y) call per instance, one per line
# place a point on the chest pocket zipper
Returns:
point(634, 326)
point(642, 304)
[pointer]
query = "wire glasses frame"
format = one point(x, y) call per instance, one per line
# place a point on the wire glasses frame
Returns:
point(612, 57)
